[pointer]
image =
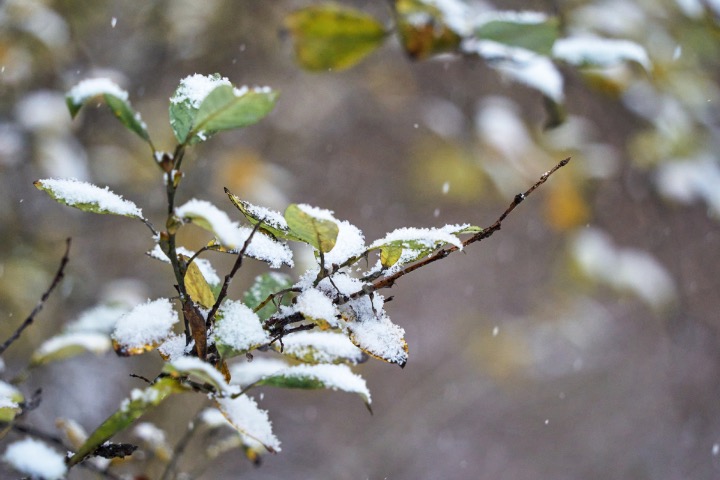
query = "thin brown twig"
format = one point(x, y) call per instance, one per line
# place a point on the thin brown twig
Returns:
point(30, 318)
point(229, 276)
point(387, 282)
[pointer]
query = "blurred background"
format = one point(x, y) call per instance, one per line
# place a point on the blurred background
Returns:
point(580, 341)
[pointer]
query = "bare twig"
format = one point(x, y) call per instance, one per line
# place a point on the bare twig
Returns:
point(387, 282)
point(271, 297)
point(181, 446)
point(29, 320)
point(229, 276)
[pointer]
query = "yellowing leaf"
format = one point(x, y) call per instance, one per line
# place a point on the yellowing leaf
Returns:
point(308, 225)
point(333, 37)
point(197, 287)
point(565, 208)
point(423, 30)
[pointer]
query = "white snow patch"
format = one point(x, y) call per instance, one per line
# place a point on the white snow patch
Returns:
point(190, 364)
point(428, 237)
point(691, 180)
point(99, 319)
point(350, 243)
point(74, 192)
point(174, 347)
point(380, 337)
point(9, 396)
point(623, 268)
point(36, 459)
point(92, 87)
point(194, 88)
point(91, 341)
point(239, 327)
point(323, 347)
point(233, 236)
point(246, 373)
point(524, 17)
point(150, 433)
point(314, 304)
point(335, 377)
point(252, 422)
point(146, 324)
point(266, 215)
point(519, 64)
point(600, 52)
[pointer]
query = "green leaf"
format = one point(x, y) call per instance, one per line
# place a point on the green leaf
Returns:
point(264, 285)
point(311, 377)
point(226, 108)
point(186, 101)
point(114, 96)
point(87, 197)
point(306, 224)
point(273, 222)
point(69, 345)
point(333, 37)
point(131, 409)
point(537, 36)
point(423, 30)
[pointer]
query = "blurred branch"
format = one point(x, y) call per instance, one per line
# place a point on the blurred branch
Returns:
point(29, 320)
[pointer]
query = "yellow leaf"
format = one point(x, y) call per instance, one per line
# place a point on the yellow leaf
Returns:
point(197, 287)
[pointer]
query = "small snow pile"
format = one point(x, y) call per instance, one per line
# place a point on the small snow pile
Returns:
point(145, 325)
point(75, 192)
point(92, 87)
point(35, 459)
point(314, 304)
point(233, 236)
point(252, 422)
point(267, 216)
point(195, 366)
point(239, 328)
point(350, 241)
point(246, 373)
point(335, 377)
point(194, 88)
point(599, 52)
point(322, 347)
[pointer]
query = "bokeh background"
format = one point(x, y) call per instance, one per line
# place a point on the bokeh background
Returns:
point(580, 341)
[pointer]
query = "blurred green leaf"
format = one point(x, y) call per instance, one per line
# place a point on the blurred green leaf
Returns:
point(538, 37)
point(264, 285)
point(11, 398)
point(333, 37)
point(70, 344)
point(114, 97)
point(131, 409)
point(320, 233)
point(423, 30)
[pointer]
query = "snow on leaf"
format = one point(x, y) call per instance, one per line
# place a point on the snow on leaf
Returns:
point(35, 459)
point(600, 52)
point(10, 399)
point(332, 37)
point(144, 327)
point(197, 369)
point(350, 243)
point(273, 222)
point(174, 347)
point(252, 422)
point(317, 307)
point(232, 236)
point(314, 226)
point(530, 30)
point(154, 439)
point(623, 268)
point(115, 97)
point(521, 65)
point(70, 344)
point(186, 101)
point(247, 373)
point(88, 197)
point(406, 245)
point(366, 322)
point(320, 347)
point(140, 401)
point(335, 377)
point(238, 329)
point(264, 285)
